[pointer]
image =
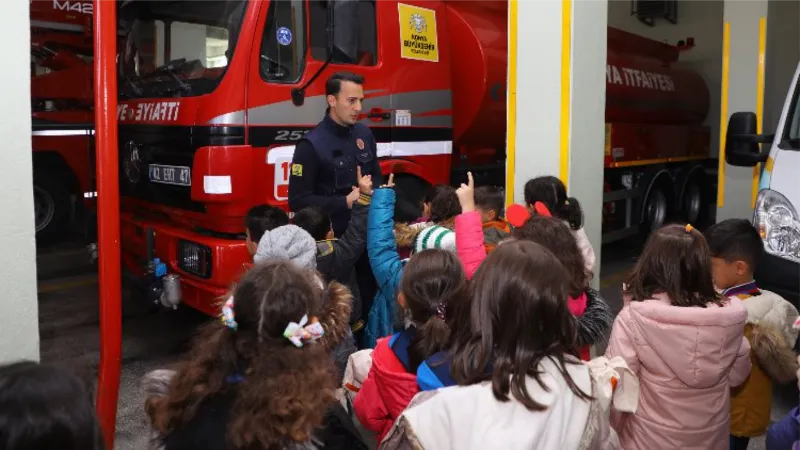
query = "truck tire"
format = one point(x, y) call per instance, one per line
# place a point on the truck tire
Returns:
point(410, 192)
point(695, 201)
point(51, 205)
point(655, 209)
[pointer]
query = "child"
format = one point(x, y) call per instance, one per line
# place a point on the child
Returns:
point(683, 341)
point(489, 201)
point(45, 408)
point(437, 231)
point(592, 312)
point(594, 317)
point(406, 232)
point(260, 219)
point(432, 281)
point(520, 385)
point(259, 380)
point(552, 194)
point(736, 250)
point(292, 243)
point(336, 258)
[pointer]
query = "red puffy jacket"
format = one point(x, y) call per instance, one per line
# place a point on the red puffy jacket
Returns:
point(387, 390)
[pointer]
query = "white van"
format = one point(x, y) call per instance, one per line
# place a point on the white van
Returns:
point(775, 214)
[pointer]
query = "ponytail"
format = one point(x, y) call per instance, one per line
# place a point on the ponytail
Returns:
point(432, 285)
point(551, 191)
point(572, 212)
point(430, 338)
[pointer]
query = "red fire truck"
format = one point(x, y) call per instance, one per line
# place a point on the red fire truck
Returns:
point(214, 94)
point(62, 113)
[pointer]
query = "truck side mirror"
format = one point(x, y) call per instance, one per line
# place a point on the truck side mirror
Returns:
point(742, 143)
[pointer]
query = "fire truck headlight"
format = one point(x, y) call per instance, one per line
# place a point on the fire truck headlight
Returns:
point(194, 259)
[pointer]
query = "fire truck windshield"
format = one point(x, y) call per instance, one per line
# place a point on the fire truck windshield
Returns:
point(176, 48)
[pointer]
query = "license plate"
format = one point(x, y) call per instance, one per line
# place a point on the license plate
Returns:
point(177, 175)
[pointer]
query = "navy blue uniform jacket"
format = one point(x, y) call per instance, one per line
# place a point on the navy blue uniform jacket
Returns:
point(324, 165)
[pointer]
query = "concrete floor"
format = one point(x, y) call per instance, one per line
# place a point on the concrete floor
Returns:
point(69, 331)
point(155, 339)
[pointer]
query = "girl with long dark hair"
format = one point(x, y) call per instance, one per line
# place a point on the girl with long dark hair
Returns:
point(520, 382)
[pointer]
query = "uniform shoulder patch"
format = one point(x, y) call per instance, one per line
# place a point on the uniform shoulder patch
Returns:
point(297, 170)
point(324, 248)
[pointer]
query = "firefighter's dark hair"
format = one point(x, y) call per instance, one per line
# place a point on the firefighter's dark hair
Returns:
point(334, 83)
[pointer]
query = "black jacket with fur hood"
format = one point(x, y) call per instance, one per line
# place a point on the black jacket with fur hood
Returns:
point(594, 325)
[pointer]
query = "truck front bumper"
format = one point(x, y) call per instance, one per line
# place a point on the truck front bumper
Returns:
point(207, 265)
point(780, 276)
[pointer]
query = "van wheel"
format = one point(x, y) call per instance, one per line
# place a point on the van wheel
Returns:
point(410, 191)
point(51, 206)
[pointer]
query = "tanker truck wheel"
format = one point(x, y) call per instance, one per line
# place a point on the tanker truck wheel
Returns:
point(51, 206)
point(410, 192)
point(656, 209)
point(695, 202)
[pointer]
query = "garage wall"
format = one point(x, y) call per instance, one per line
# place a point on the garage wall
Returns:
point(701, 20)
point(19, 322)
point(783, 54)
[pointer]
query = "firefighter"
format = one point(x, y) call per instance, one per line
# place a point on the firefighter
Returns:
point(323, 171)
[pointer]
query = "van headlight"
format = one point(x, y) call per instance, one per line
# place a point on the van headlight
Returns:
point(777, 222)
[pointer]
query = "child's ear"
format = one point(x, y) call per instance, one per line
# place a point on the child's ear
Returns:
point(491, 215)
point(741, 267)
point(330, 235)
point(251, 246)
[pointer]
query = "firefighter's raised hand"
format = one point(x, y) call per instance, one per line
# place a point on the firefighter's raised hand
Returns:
point(352, 197)
point(466, 195)
point(390, 183)
point(364, 182)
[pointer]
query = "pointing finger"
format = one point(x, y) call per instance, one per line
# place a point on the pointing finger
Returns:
point(358, 171)
point(470, 183)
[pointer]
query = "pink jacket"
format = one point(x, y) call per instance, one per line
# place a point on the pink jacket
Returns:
point(469, 241)
point(687, 361)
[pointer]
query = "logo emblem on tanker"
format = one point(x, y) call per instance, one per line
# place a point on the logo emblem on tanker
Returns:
point(417, 23)
point(132, 164)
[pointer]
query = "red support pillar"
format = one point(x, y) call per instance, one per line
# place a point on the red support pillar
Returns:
point(107, 166)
